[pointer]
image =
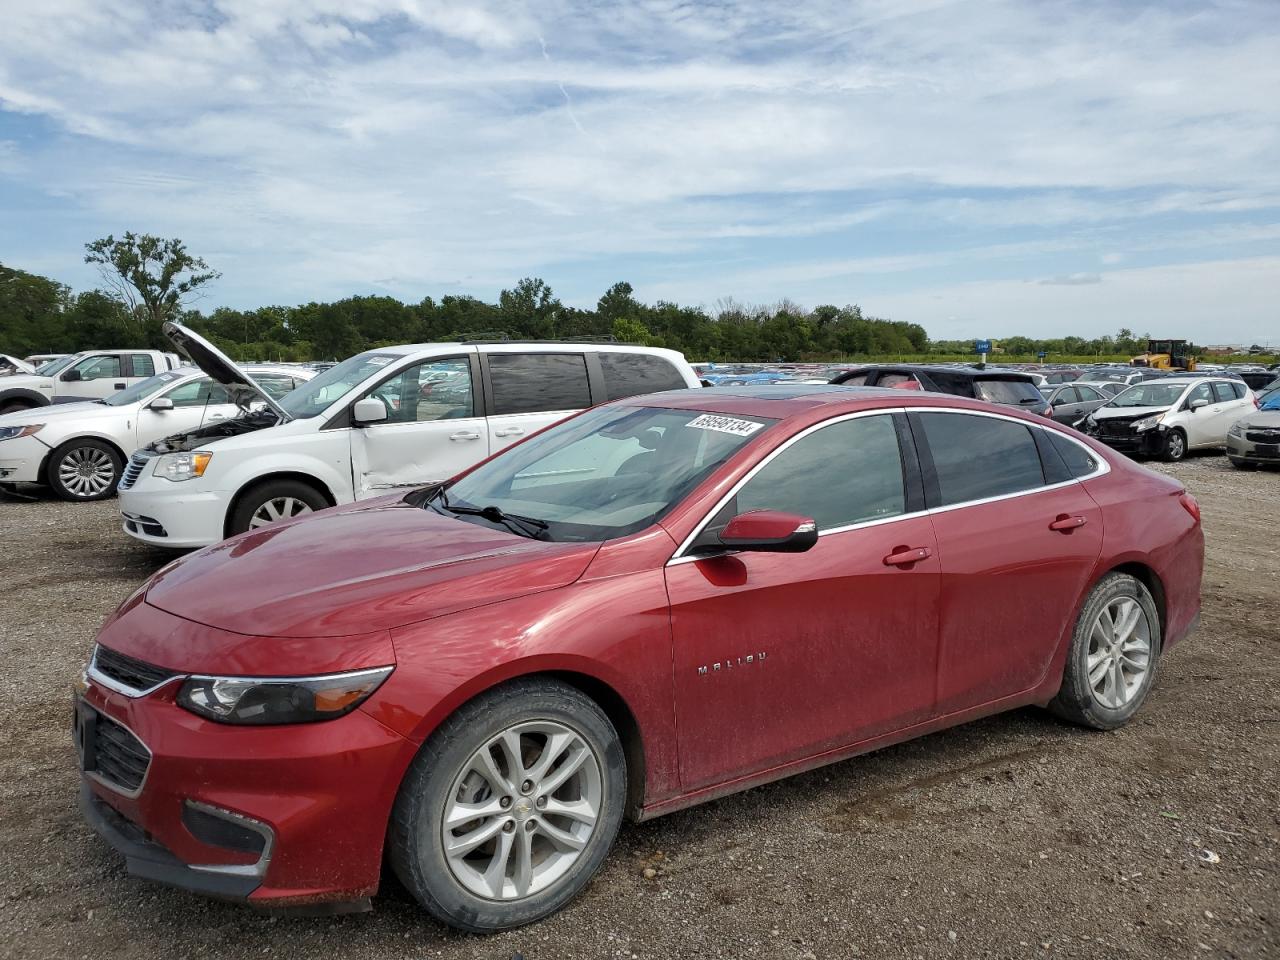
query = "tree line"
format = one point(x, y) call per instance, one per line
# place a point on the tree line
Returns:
point(148, 280)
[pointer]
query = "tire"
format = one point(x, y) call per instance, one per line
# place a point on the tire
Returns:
point(1175, 446)
point(84, 470)
point(454, 889)
point(1115, 691)
point(272, 500)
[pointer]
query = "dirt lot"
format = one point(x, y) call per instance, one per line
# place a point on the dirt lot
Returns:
point(1012, 837)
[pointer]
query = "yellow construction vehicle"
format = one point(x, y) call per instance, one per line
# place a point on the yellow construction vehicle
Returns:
point(1166, 355)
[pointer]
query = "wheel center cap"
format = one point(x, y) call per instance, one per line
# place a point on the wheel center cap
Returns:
point(522, 808)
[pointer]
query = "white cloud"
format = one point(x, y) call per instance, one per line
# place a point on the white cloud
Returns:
point(309, 146)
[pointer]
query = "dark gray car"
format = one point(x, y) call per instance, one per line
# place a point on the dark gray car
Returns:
point(1071, 401)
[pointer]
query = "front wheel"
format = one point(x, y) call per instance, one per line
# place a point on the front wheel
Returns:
point(272, 501)
point(1112, 661)
point(84, 470)
point(1175, 446)
point(510, 807)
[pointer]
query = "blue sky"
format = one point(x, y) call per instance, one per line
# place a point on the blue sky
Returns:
point(982, 168)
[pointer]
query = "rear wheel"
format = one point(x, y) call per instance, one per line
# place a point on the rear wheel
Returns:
point(274, 500)
point(1113, 656)
point(83, 470)
point(510, 807)
point(1175, 446)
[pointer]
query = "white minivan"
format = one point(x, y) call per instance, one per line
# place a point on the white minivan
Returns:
point(389, 418)
point(1167, 417)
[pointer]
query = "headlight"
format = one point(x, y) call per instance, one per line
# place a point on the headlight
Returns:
point(267, 700)
point(1146, 423)
point(13, 433)
point(1237, 429)
point(182, 466)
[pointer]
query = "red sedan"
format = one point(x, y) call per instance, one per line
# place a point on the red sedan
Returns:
point(657, 602)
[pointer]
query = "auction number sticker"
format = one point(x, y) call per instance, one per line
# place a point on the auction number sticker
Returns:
point(739, 428)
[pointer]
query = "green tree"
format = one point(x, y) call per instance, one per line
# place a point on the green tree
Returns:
point(153, 277)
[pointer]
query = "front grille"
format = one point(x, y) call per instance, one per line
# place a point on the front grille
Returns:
point(1116, 428)
point(135, 674)
point(119, 757)
point(132, 471)
point(1263, 436)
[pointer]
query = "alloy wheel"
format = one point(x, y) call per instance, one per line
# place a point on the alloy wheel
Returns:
point(1119, 652)
point(86, 472)
point(522, 810)
point(1177, 447)
point(278, 508)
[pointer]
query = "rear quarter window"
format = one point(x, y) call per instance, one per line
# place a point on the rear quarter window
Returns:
point(1080, 462)
point(631, 374)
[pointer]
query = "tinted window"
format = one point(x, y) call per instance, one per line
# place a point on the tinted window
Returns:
point(275, 385)
point(435, 390)
point(1223, 392)
point(1006, 391)
point(977, 457)
point(845, 473)
point(857, 380)
point(1088, 394)
point(629, 374)
point(536, 382)
point(194, 393)
point(1080, 462)
point(1067, 395)
point(901, 381)
point(143, 365)
point(1239, 388)
point(98, 368)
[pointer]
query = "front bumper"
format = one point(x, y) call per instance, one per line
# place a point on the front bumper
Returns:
point(319, 794)
point(1243, 450)
point(1149, 443)
point(21, 460)
point(165, 514)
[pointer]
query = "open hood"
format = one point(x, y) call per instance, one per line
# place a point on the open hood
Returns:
point(218, 365)
point(13, 365)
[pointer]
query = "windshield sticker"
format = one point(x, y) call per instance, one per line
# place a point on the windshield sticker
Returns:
point(739, 428)
point(379, 361)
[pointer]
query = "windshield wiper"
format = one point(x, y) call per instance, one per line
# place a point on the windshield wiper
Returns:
point(530, 527)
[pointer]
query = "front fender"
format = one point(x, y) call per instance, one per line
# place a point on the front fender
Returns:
point(32, 397)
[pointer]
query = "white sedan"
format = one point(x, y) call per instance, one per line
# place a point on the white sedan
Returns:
point(79, 449)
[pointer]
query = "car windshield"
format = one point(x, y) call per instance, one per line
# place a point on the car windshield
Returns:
point(1007, 391)
point(1149, 395)
point(317, 395)
point(607, 473)
point(143, 389)
point(1115, 376)
point(55, 366)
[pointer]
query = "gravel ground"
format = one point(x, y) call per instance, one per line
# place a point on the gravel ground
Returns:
point(1014, 836)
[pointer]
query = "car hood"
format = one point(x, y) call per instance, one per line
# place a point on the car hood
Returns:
point(81, 410)
point(1107, 413)
point(357, 569)
point(25, 380)
point(217, 365)
point(1262, 419)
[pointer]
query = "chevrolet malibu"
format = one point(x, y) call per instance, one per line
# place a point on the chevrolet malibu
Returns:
point(652, 604)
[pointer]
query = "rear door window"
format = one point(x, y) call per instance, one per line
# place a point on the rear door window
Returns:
point(977, 457)
point(538, 382)
point(1222, 392)
point(631, 374)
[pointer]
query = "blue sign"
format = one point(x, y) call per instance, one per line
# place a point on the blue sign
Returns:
point(982, 346)
point(1041, 354)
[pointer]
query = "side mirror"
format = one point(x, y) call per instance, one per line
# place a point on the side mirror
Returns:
point(71, 376)
point(369, 410)
point(770, 531)
point(1195, 405)
point(160, 404)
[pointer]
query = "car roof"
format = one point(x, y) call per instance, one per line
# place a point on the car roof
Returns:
point(518, 346)
point(786, 400)
point(972, 373)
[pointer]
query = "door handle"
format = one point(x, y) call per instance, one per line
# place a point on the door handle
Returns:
point(464, 435)
point(1066, 523)
point(510, 432)
point(906, 556)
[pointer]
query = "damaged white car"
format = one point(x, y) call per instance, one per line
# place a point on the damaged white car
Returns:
point(392, 417)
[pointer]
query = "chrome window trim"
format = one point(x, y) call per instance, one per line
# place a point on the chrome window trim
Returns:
point(1102, 469)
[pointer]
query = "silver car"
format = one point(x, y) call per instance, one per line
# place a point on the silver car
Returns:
point(1255, 439)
